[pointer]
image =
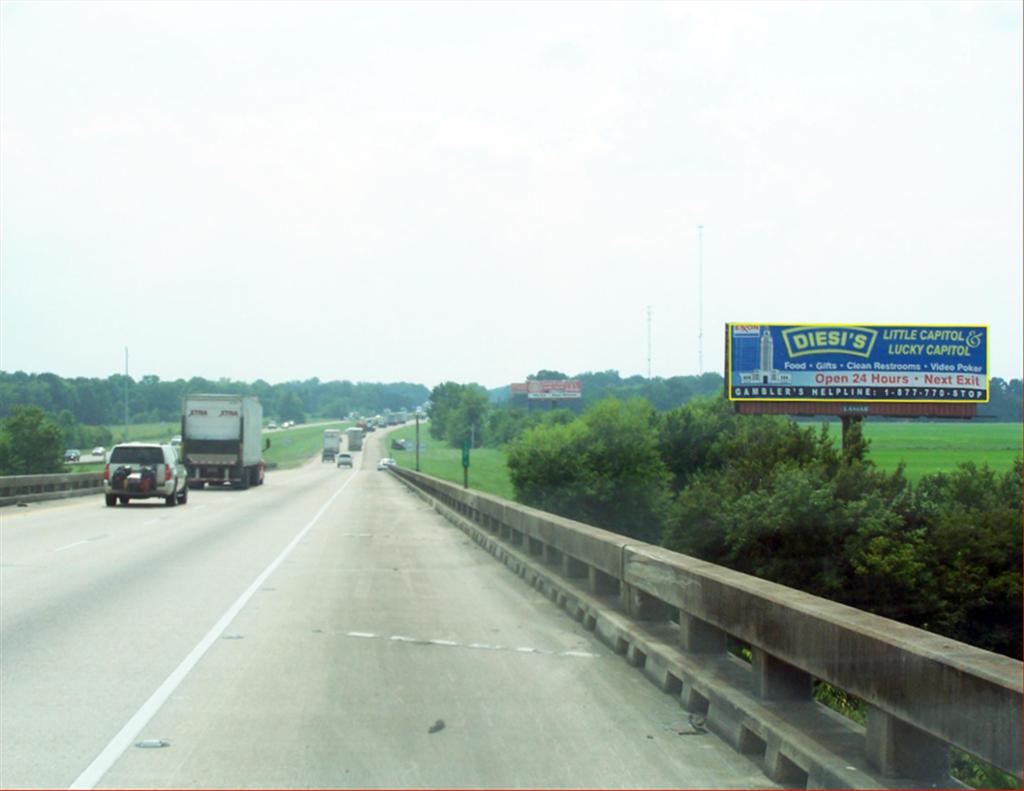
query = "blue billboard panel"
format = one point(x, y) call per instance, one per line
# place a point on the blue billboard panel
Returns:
point(864, 362)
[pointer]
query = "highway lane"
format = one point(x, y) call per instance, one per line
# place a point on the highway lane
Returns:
point(98, 605)
point(381, 621)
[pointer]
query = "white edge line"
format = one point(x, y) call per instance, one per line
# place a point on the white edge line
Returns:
point(123, 739)
point(360, 634)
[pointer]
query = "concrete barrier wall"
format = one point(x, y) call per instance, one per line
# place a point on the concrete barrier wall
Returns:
point(33, 488)
point(672, 616)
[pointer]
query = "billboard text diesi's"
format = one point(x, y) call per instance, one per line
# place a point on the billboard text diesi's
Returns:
point(864, 362)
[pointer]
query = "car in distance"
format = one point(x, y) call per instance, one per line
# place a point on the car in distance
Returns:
point(383, 464)
point(72, 454)
point(344, 459)
point(99, 450)
point(271, 425)
point(140, 470)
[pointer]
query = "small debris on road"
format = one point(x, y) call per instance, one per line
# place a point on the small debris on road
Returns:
point(150, 744)
point(437, 726)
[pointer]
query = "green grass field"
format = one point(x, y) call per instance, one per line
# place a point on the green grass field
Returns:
point(938, 447)
point(487, 469)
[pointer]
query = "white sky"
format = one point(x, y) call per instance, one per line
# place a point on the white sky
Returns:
point(473, 191)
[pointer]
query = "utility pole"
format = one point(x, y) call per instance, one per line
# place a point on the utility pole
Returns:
point(700, 299)
point(417, 442)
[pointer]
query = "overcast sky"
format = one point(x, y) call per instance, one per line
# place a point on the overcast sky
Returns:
point(474, 191)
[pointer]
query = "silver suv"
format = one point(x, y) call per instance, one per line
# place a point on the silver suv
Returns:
point(137, 470)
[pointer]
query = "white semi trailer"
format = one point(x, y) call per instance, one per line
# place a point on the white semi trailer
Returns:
point(332, 444)
point(221, 438)
point(355, 438)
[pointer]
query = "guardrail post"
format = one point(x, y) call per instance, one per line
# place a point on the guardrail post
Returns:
point(778, 680)
point(898, 749)
point(572, 568)
point(600, 583)
point(700, 637)
point(641, 605)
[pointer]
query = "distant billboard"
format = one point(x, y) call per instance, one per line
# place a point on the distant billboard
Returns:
point(555, 389)
point(864, 362)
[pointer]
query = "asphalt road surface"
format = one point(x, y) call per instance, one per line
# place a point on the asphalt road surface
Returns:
point(327, 629)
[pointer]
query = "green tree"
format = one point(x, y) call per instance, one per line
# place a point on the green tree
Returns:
point(603, 469)
point(687, 434)
point(971, 519)
point(289, 407)
point(468, 419)
point(444, 400)
point(30, 443)
point(769, 498)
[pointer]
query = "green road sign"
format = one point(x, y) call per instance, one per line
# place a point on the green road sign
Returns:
point(465, 453)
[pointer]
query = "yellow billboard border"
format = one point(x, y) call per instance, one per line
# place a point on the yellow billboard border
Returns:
point(728, 372)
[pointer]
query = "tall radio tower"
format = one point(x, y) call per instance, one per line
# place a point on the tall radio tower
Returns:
point(648, 343)
point(700, 299)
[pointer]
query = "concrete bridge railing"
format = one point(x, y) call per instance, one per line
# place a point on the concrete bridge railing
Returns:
point(673, 617)
point(33, 488)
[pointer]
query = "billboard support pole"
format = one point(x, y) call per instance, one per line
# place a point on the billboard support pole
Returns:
point(417, 442)
point(849, 421)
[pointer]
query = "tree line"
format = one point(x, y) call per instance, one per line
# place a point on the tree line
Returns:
point(662, 393)
point(97, 402)
point(462, 412)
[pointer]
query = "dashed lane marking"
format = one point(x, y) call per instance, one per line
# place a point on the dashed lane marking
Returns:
point(80, 543)
point(401, 638)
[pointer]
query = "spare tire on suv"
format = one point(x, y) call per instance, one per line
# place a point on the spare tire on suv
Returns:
point(142, 470)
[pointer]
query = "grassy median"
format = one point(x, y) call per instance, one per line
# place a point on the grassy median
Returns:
point(292, 447)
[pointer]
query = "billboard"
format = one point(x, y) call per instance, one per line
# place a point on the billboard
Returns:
point(555, 389)
point(863, 362)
